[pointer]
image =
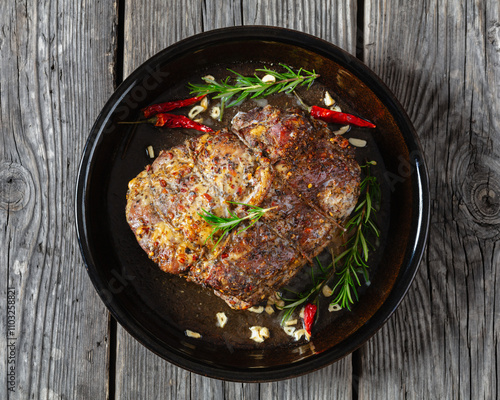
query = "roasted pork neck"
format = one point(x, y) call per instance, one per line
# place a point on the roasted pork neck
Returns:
point(271, 158)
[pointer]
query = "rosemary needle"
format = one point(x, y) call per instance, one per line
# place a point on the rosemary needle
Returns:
point(226, 225)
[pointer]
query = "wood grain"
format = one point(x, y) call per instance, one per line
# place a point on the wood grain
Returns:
point(442, 63)
point(150, 29)
point(55, 74)
point(140, 373)
point(57, 69)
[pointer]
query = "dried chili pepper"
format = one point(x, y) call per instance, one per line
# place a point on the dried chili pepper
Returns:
point(178, 121)
point(173, 121)
point(309, 313)
point(169, 106)
point(337, 117)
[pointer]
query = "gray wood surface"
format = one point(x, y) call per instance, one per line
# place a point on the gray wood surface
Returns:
point(59, 62)
point(55, 75)
point(443, 65)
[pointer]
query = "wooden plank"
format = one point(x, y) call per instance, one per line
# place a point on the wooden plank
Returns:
point(151, 28)
point(147, 31)
point(334, 21)
point(55, 75)
point(441, 60)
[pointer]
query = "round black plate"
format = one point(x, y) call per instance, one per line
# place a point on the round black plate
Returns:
point(140, 296)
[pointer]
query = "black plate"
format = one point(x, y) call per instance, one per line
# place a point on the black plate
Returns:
point(150, 304)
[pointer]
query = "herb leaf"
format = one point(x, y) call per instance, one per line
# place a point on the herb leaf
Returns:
point(226, 225)
point(253, 86)
point(356, 255)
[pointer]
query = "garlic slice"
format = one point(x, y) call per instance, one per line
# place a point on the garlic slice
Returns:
point(195, 111)
point(215, 113)
point(301, 332)
point(221, 319)
point(268, 78)
point(289, 330)
point(334, 307)
point(328, 100)
point(342, 130)
point(257, 310)
point(327, 291)
point(192, 334)
point(357, 142)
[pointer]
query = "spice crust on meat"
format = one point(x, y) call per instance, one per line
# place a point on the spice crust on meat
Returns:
point(269, 158)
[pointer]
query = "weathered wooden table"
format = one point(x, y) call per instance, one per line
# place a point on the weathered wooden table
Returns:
point(61, 60)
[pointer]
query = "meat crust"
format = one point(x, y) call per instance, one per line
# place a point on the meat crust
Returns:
point(271, 158)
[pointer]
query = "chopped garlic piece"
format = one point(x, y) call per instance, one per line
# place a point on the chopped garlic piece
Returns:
point(280, 303)
point(192, 334)
point(334, 307)
point(269, 309)
point(357, 142)
point(301, 332)
point(195, 111)
point(301, 314)
point(272, 299)
point(327, 291)
point(264, 332)
point(291, 322)
point(269, 78)
point(342, 130)
point(215, 113)
point(204, 103)
point(150, 151)
point(259, 333)
point(199, 120)
point(328, 100)
point(221, 319)
point(208, 78)
point(336, 108)
point(256, 310)
point(289, 330)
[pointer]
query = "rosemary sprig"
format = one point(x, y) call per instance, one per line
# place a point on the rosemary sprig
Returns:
point(309, 295)
point(226, 225)
point(355, 257)
point(361, 224)
point(243, 87)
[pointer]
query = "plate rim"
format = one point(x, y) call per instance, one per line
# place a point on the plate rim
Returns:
point(420, 191)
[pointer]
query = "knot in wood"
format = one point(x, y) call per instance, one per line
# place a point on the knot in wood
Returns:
point(15, 186)
point(481, 205)
point(486, 200)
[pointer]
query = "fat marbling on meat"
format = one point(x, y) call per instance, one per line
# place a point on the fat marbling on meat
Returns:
point(270, 158)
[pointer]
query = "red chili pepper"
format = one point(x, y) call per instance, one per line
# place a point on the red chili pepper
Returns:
point(309, 312)
point(169, 106)
point(172, 121)
point(178, 121)
point(338, 117)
